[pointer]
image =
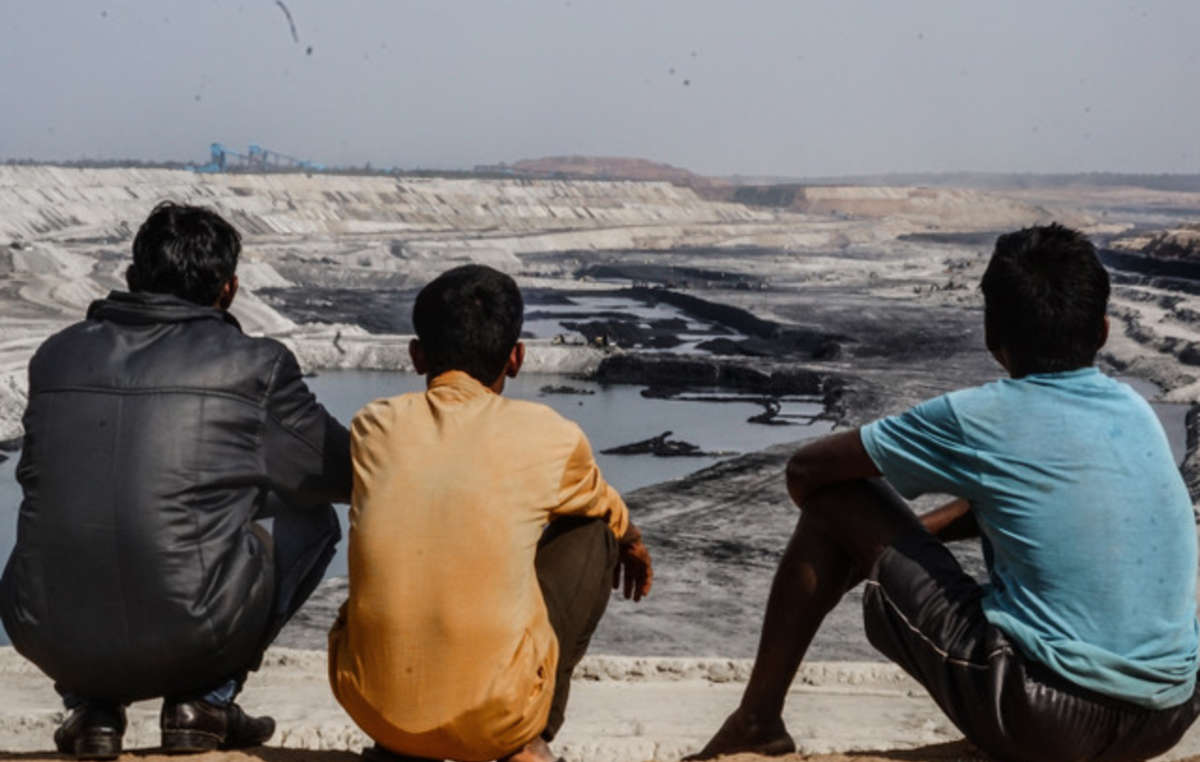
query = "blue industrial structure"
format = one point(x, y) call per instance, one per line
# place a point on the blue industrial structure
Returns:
point(256, 158)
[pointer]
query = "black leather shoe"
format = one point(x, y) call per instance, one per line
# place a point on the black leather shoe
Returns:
point(191, 726)
point(92, 731)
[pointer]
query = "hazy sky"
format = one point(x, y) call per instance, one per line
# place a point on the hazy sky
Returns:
point(779, 87)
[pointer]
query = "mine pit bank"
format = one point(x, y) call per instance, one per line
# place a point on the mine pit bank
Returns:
point(738, 365)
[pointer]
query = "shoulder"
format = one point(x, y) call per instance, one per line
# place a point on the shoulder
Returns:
point(65, 341)
point(1124, 400)
point(544, 417)
point(935, 419)
point(381, 415)
point(998, 392)
point(221, 342)
point(262, 367)
point(261, 350)
point(938, 412)
point(543, 429)
point(1088, 390)
point(267, 351)
point(1122, 392)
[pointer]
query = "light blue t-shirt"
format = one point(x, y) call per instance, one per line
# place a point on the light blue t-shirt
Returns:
point(1088, 529)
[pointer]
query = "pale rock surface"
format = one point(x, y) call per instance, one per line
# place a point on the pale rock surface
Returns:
point(622, 709)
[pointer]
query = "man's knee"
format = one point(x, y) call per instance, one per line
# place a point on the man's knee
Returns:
point(864, 516)
point(832, 500)
point(577, 540)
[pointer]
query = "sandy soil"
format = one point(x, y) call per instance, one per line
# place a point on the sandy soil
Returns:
point(622, 709)
point(959, 752)
point(955, 751)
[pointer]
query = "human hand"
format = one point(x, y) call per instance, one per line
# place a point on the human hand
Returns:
point(634, 563)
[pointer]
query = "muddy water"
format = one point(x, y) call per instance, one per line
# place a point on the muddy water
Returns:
point(611, 415)
point(545, 321)
point(727, 577)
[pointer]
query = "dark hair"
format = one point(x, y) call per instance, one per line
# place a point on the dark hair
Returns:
point(188, 251)
point(1045, 294)
point(469, 318)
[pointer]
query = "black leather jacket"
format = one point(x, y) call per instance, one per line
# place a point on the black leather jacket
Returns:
point(154, 432)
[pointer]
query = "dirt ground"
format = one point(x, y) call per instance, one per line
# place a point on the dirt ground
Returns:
point(957, 751)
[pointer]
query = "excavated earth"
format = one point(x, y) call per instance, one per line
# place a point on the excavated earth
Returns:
point(870, 306)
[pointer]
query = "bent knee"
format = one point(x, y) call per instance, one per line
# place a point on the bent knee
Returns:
point(579, 538)
point(834, 498)
point(862, 508)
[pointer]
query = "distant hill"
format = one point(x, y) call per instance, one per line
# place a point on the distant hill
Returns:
point(997, 180)
point(602, 168)
point(768, 187)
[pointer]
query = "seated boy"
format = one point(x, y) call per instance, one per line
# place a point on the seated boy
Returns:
point(467, 613)
point(1083, 645)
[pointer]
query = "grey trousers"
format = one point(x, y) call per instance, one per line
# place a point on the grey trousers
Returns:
point(575, 562)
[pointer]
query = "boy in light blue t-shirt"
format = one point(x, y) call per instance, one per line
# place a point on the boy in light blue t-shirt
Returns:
point(1083, 645)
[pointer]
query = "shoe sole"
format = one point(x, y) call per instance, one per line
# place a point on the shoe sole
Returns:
point(190, 741)
point(101, 746)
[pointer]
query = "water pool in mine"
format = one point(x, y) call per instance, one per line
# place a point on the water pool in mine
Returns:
point(611, 415)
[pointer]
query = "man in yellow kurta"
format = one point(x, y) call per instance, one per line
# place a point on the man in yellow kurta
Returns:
point(483, 545)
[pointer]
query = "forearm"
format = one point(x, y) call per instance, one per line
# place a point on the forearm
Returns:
point(632, 535)
point(953, 521)
point(306, 451)
point(308, 461)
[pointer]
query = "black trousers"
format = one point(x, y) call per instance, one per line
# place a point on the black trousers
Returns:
point(575, 562)
point(923, 612)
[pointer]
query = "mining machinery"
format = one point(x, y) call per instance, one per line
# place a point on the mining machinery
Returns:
point(256, 159)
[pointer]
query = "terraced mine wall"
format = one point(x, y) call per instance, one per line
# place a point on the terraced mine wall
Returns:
point(40, 202)
point(65, 235)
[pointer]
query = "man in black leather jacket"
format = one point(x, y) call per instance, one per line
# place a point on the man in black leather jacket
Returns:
point(156, 433)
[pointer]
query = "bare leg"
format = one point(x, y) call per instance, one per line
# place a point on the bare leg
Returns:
point(841, 531)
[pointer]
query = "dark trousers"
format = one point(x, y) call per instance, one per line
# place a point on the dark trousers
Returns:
point(923, 612)
point(303, 541)
point(575, 562)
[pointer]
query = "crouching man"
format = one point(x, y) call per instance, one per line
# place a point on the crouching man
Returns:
point(1083, 645)
point(483, 545)
point(155, 434)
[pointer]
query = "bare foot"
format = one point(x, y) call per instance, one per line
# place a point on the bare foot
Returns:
point(741, 732)
point(536, 750)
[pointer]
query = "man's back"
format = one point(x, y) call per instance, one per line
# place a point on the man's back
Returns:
point(153, 432)
point(444, 648)
point(1090, 534)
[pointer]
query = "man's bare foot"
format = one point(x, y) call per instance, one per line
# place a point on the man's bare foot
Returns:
point(536, 750)
point(741, 733)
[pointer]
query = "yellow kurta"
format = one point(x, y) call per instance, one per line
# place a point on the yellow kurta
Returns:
point(444, 648)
